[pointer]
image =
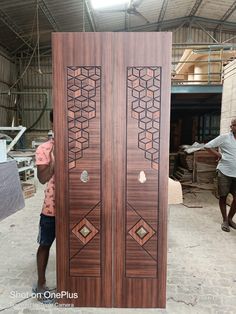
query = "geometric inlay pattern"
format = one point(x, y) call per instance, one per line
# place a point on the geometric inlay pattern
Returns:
point(84, 231)
point(141, 232)
point(83, 92)
point(144, 96)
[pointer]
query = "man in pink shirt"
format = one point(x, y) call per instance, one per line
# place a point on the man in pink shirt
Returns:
point(45, 172)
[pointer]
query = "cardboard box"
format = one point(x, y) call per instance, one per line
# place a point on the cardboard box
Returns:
point(28, 189)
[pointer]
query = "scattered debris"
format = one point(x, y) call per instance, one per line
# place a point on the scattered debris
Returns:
point(192, 246)
point(203, 186)
point(193, 205)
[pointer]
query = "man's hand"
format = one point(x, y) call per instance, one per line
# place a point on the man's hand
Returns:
point(215, 153)
point(219, 156)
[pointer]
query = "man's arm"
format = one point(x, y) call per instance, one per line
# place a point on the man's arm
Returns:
point(44, 173)
point(210, 146)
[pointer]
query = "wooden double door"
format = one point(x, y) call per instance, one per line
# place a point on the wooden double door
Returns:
point(111, 114)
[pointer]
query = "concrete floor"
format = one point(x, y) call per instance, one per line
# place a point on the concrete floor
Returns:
point(201, 262)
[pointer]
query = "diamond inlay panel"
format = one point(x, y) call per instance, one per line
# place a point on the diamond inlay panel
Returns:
point(144, 97)
point(84, 231)
point(141, 232)
point(83, 92)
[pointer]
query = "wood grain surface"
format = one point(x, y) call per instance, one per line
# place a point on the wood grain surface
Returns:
point(111, 96)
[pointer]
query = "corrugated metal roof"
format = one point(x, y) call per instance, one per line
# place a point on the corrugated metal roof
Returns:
point(18, 18)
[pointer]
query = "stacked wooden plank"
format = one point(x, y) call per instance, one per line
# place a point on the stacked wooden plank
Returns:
point(186, 160)
point(199, 166)
point(204, 167)
point(183, 174)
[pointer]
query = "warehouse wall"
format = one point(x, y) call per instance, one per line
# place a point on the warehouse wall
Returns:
point(192, 37)
point(33, 105)
point(228, 109)
point(8, 76)
point(37, 100)
point(33, 81)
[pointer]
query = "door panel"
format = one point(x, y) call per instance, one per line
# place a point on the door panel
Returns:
point(82, 140)
point(143, 112)
point(111, 96)
point(142, 88)
point(83, 119)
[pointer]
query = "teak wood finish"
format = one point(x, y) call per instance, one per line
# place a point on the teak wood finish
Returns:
point(111, 114)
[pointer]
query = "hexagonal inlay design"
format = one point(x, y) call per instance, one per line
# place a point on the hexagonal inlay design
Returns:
point(144, 96)
point(85, 231)
point(83, 90)
point(141, 232)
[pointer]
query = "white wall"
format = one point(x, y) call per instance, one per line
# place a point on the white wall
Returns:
point(228, 108)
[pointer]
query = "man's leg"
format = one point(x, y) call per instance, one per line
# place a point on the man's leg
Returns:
point(45, 239)
point(232, 213)
point(42, 261)
point(225, 223)
point(222, 204)
point(224, 183)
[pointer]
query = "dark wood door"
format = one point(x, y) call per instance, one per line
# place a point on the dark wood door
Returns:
point(111, 107)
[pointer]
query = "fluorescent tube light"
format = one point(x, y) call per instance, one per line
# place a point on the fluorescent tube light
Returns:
point(98, 4)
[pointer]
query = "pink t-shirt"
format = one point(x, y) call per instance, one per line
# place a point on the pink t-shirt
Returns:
point(42, 156)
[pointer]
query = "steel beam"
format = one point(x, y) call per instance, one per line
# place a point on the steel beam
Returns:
point(182, 89)
point(176, 22)
point(162, 13)
point(14, 28)
point(5, 52)
point(227, 14)
point(90, 16)
point(206, 32)
point(195, 7)
point(48, 15)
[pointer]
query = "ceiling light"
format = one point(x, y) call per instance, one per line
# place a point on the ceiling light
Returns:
point(98, 4)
